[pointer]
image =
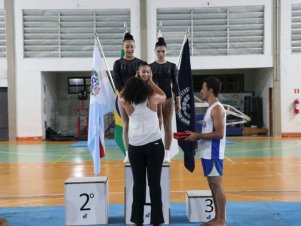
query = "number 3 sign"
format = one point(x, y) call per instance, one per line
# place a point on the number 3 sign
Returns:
point(199, 206)
point(86, 201)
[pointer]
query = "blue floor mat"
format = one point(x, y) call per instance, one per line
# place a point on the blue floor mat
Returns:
point(112, 143)
point(229, 142)
point(108, 143)
point(238, 214)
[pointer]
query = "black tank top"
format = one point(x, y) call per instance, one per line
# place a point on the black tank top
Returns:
point(166, 75)
point(123, 70)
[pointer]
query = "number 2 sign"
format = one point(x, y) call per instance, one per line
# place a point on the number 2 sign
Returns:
point(86, 201)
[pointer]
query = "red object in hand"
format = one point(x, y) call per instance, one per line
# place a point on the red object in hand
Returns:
point(181, 135)
point(297, 106)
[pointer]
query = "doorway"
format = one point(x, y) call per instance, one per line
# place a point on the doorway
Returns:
point(3, 114)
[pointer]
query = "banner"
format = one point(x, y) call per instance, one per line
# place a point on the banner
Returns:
point(186, 117)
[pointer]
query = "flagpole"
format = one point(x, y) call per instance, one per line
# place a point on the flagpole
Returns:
point(181, 51)
point(125, 27)
point(180, 56)
point(104, 58)
point(160, 31)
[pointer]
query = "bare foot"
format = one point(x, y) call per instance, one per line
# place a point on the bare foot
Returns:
point(208, 223)
point(3, 222)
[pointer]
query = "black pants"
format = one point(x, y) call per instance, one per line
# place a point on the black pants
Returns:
point(147, 158)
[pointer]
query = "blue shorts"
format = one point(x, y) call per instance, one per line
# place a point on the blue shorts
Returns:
point(213, 167)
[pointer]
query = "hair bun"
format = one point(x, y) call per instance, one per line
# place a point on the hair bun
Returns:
point(161, 40)
point(128, 36)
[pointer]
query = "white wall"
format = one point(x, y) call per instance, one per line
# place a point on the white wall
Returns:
point(290, 72)
point(29, 71)
point(214, 62)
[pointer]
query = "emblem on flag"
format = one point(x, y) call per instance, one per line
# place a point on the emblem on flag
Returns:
point(95, 87)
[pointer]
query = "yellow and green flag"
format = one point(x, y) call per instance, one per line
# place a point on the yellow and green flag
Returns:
point(118, 121)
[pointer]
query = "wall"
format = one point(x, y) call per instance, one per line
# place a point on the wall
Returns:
point(29, 71)
point(290, 73)
point(214, 62)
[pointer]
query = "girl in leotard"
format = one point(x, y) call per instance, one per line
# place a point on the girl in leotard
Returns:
point(125, 68)
point(165, 74)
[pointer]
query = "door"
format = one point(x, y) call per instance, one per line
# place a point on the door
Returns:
point(3, 114)
point(271, 111)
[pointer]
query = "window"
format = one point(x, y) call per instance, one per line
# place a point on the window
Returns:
point(77, 84)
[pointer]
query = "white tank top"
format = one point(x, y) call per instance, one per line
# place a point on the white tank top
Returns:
point(212, 149)
point(143, 125)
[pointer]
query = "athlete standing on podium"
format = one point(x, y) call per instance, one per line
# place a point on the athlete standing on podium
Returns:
point(213, 139)
point(123, 69)
point(140, 98)
point(165, 74)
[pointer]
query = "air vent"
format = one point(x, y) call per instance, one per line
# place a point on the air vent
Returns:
point(70, 33)
point(214, 30)
point(296, 29)
point(2, 34)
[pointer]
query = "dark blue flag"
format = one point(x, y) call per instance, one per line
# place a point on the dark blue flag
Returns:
point(186, 117)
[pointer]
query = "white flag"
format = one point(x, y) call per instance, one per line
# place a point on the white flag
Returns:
point(101, 102)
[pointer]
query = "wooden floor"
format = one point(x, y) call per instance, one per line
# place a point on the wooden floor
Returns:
point(274, 178)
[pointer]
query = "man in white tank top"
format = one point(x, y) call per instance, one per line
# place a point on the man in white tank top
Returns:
point(213, 137)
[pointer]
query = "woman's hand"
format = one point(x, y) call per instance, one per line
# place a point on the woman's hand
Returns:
point(150, 78)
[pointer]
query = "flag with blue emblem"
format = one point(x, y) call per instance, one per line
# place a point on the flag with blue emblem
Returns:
point(186, 117)
point(101, 102)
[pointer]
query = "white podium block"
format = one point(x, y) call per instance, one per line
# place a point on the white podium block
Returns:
point(165, 187)
point(199, 206)
point(86, 201)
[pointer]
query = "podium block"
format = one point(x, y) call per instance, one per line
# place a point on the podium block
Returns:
point(165, 187)
point(86, 201)
point(199, 206)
